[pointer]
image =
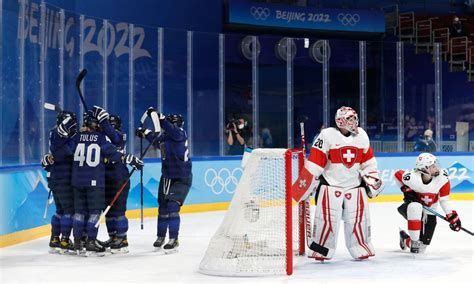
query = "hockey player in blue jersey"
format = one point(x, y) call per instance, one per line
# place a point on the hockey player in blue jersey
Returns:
point(115, 175)
point(58, 163)
point(176, 178)
point(88, 179)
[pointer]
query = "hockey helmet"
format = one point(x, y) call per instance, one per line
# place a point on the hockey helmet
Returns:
point(347, 118)
point(428, 164)
point(176, 119)
point(90, 121)
point(115, 121)
point(63, 115)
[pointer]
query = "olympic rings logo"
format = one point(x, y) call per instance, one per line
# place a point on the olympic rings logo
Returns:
point(348, 19)
point(222, 180)
point(260, 13)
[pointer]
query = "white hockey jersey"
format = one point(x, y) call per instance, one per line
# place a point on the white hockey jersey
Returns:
point(339, 159)
point(437, 190)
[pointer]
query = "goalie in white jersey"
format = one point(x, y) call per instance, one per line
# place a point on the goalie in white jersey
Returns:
point(426, 185)
point(342, 167)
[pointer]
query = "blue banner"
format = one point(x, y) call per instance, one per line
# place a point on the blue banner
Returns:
point(295, 17)
point(24, 190)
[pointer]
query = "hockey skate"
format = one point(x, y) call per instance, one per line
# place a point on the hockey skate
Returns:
point(106, 244)
point(66, 245)
point(93, 248)
point(159, 243)
point(119, 246)
point(54, 245)
point(171, 246)
point(415, 247)
point(404, 240)
point(78, 247)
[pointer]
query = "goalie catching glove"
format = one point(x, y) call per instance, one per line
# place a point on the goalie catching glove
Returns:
point(374, 184)
point(133, 161)
point(99, 113)
point(304, 185)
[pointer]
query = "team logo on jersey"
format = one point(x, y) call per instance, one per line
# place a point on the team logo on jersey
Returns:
point(348, 196)
point(337, 193)
point(348, 156)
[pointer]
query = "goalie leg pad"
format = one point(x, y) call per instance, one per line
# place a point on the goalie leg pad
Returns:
point(326, 221)
point(414, 214)
point(357, 223)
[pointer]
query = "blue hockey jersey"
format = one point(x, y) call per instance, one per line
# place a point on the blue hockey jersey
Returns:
point(88, 167)
point(115, 171)
point(62, 150)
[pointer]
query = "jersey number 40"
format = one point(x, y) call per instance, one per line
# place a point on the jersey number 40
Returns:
point(91, 156)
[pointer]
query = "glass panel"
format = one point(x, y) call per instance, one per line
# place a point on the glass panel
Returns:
point(272, 93)
point(205, 94)
point(419, 98)
point(308, 89)
point(10, 83)
point(344, 76)
point(381, 82)
point(238, 87)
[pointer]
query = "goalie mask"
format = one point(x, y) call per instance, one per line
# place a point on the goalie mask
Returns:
point(176, 119)
point(346, 118)
point(427, 164)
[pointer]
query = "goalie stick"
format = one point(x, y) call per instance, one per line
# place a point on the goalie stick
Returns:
point(304, 206)
point(442, 217)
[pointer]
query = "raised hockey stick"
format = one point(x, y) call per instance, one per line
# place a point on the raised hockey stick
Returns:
point(79, 79)
point(123, 185)
point(304, 206)
point(444, 218)
point(52, 107)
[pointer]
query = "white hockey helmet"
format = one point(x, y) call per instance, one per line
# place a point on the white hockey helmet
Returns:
point(428, 164)
point(347, 118)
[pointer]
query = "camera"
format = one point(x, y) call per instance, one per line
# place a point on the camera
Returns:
point(230, 124)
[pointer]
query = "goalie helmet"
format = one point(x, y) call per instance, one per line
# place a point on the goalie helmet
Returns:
point(176, 119)
point(115, 121)
point(428, 164)
point(346, 118)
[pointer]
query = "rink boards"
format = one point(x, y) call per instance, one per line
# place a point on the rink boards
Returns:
point(24, 189)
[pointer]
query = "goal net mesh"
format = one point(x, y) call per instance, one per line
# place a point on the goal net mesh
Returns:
point(252, 237)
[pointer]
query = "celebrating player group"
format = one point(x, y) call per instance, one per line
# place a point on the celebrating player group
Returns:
point(87, 173)
point(342, 171)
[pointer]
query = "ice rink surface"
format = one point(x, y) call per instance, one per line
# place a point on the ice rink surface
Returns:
point(449, 258)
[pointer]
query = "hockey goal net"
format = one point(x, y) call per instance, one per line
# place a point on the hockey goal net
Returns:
point(263, 228)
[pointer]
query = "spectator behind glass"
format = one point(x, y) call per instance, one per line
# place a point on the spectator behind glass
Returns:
point(410, 128)
point(426, 143)
point(458, 29)
point(237, 132)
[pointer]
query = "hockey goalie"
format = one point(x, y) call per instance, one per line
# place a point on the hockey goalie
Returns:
point(342, 168)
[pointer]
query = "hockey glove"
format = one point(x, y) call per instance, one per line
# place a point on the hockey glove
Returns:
point(142, 132)
point(99, 113)
point(374, 184)
point(47, 161)
point(133, 161)
point(454, 222)
point(152, 110)
point(67, 127)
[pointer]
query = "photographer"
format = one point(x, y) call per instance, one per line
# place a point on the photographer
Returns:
point(237, 135)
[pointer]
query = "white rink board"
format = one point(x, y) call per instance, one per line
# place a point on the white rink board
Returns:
point(449, 258)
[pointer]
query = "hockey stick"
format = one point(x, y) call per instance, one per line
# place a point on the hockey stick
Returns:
point(305, 209)
point(47, 205)
point(123, 185)
point(142, 121)
point(79, 79)
point(444, 218)
point(52, 107)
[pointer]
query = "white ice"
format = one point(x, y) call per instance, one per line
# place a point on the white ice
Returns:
point(449, 258)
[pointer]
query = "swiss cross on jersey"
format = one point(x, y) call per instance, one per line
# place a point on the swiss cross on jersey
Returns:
point(428, 198)
point(348, 155)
